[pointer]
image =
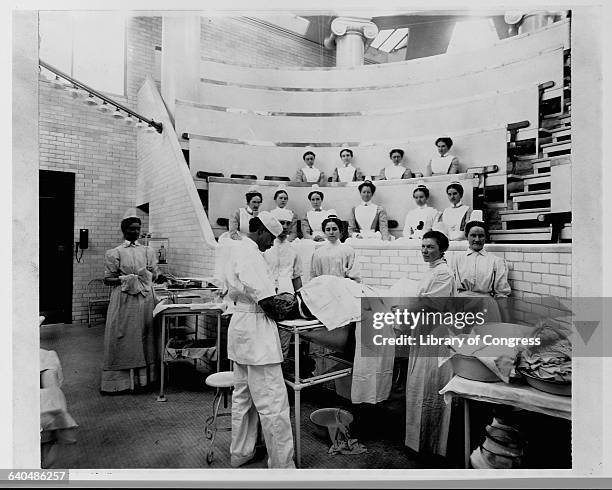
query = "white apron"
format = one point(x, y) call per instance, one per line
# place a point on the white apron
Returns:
point(364, 216)
point(452, 218)
point(425, 214)
point(441, 165)
point(346, 174)
point(245, 217)
point(315, 220)
point(394, 172)
point(312, 174)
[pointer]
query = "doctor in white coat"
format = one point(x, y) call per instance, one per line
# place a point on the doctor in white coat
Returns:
point(254, 346)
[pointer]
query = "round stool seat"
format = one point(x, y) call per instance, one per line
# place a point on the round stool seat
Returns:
point(223, 379)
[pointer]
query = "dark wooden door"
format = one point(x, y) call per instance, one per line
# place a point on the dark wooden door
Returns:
point(56, 225)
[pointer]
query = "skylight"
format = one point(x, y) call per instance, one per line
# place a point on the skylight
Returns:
point(389, 40)
point(470, 35)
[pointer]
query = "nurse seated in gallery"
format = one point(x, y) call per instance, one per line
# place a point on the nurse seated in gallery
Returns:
point(312, 223)
point(368, 220)
point(396, 170)
point(443, 162)
point(239, 220)
point(309, 173)
point(346, 172)
point(454, 217)
point(422, 218)
point(282, 212)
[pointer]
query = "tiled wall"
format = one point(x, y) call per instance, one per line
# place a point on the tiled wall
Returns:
point(102, 155)
point(144, 34)
point(243, 41)
point(535, 271)
point(102, 152)
point(165, 184)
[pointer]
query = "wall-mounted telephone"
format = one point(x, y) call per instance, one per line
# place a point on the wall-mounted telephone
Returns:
point(83, 244)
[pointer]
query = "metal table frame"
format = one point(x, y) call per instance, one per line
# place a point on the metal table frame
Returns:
point(185, 311)
point(299, 384)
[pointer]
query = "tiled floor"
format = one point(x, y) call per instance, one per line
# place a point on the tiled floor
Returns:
point(136, 431)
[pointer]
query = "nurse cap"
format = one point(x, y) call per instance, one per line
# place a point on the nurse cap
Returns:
point(252, 188)
point(476, 215)
point(130, 213)
point(315, 189)
point(271, 223)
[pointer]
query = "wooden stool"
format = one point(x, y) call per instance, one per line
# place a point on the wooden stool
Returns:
point(224, 382)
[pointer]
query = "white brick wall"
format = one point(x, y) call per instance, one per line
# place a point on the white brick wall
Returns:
point(239, 41)
point(101, 152)
point(102, 155)
point(175, 210)
point(535, 271)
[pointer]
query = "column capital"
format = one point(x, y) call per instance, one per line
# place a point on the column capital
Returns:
point(354, 25)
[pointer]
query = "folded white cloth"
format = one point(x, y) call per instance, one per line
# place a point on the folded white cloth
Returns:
point(136, 283)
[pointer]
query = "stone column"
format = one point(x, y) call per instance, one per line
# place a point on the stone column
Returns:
point(349, 34)
point(180, 66)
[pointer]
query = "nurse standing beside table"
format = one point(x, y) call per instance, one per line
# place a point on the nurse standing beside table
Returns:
point(427, 415)
point(285, 267)
point(130, 350)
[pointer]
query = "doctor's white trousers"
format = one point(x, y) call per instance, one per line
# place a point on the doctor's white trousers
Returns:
point(261, 390)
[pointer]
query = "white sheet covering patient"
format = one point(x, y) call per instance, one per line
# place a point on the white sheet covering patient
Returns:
point(336, 301)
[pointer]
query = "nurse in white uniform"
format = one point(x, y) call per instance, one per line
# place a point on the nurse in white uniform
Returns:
point(427, 415)
point(239, 220)
point(421, 219)
point(281, 212)
point(347, 172)
point(368, 220)
point(481, 274)
point(335, 258)
point(282, 259)
point(395, 171)
point(254, 346)
point(311, 224)
point(443, 162)
point(455, 216)
point(309, 173)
